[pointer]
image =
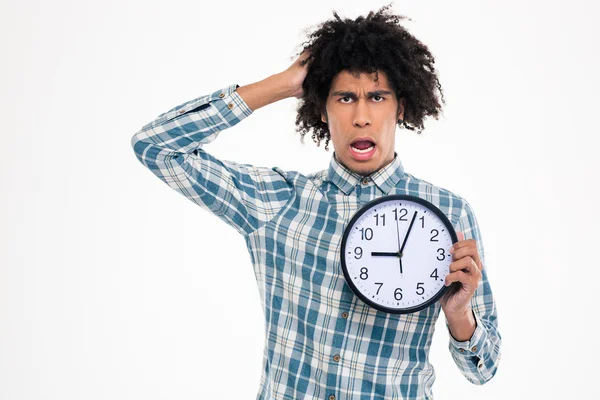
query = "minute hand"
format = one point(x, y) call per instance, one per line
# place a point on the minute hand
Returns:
point(408, 232)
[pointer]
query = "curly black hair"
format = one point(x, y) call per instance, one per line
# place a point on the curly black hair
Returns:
point(367, 44)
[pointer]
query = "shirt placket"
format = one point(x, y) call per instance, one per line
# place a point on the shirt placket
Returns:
point(364, 190)
point(337, 346)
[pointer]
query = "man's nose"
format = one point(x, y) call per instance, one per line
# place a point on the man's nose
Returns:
point(362, 116)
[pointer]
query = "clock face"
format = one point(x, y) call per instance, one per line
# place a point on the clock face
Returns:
point(395, 253)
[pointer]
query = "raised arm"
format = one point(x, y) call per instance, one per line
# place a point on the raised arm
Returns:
point(171, 147)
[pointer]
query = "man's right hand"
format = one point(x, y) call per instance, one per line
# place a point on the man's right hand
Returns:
point(276, 87)
point(296, 74)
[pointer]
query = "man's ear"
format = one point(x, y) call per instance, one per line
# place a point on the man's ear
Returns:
point(401, 105)
point(324, 116)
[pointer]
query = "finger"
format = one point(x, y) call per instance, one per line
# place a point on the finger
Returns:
point(464, 251)
point(470, 275)
point(458, 276)
point(466, 264)
point(466, 248)
point(304, 55)
point(463, 243)
point(478, 261)
point(461, 236)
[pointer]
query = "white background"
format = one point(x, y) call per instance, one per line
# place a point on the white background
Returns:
point(114, 286)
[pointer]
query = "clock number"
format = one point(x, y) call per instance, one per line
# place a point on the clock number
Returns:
point(363, 271)
point(401, 215)
point(434, 276)
point(382, 219)
point(397, 293)
point(422, 221)
point(421, 288)
point(443, 254)
point(436, 233)
point(366, 233)
point(380, 285)
point(357, 252)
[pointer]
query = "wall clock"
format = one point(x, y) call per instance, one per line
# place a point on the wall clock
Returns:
point(395, 253)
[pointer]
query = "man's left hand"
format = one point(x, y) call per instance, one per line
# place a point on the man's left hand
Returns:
point(466, 269)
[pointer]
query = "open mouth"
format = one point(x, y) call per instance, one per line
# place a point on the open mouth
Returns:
point(362, 145)
point(362, 149)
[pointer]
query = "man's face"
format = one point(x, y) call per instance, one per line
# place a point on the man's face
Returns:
point(362, 115)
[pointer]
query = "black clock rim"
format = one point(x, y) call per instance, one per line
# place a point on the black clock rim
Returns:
point(430, 206)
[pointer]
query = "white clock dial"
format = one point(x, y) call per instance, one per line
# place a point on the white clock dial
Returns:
point(377, 271)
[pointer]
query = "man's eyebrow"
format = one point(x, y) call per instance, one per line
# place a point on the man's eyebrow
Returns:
point(346, 93)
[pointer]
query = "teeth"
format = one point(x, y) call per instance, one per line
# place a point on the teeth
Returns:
point(363, 151)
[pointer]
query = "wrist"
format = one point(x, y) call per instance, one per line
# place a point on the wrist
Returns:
point(269, 90)
point(282, 84)
point(462, 325)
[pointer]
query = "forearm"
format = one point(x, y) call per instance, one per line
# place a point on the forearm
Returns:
point(192, 123)
point(259, 94)
point(463, 326)
point(478, 357)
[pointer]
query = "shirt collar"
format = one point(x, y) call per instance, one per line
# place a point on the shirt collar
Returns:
point(346, 180)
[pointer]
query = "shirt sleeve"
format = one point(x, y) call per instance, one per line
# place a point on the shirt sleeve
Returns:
point(478, 358)
point(171, 147)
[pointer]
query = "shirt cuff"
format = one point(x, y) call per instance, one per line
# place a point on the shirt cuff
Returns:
point(226, 100)
point(231, 101)
point(229, 104)
point(473, 346)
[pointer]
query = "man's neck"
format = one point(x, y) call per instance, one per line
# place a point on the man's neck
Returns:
point(365, 173)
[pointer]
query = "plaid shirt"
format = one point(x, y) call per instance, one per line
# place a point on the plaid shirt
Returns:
point(321, 341)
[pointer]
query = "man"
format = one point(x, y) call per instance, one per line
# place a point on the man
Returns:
point(356, 81)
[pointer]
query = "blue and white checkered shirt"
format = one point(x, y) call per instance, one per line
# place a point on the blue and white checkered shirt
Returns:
point(321, 341)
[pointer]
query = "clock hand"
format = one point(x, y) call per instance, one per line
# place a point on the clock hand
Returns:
point(399, 252)
point(408, 232)
point(385, 253)
point(400, 262)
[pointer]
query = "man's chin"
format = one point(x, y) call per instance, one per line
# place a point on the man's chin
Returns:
point(365, 172)
point(362, 168)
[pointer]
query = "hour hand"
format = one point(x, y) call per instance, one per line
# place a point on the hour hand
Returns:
point(386, 253)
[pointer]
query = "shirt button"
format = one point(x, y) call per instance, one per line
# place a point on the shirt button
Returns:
point(461, 350)
point(474, 349)
point(230, 105)
point(365, 181)
point(332, 397)
point(344, 314)
point(222, 95)
point(336, 357)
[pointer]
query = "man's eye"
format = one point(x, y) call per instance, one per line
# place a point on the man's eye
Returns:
point(378, 99)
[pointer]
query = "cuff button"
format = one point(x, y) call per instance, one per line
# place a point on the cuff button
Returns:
point(230, 106)
point(461, 350)
point(474, 348)
point(222, 95)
